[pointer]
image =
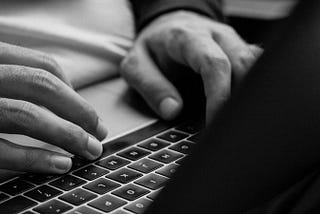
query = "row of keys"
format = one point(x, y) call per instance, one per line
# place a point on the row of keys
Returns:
point(106, 203)
point(165, 156)
point(80, 196)
point(109, 203)
point(69, 182)
point(136, 153)
point(155, 145)
point(90, 172)
point(129, 192)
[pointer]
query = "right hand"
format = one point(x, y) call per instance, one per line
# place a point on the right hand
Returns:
point(37, 100)
point(180, 39)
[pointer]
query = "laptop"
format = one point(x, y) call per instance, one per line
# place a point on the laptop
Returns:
point(262, 142)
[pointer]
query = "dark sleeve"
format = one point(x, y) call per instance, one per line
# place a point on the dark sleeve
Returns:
point(147, 10)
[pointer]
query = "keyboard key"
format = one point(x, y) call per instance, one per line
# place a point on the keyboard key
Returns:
point(78, 162)
point(190, 128)
point(67, 182)
point(134, 153)
point(43, 193)
point(78, 196)
point(139, 207)
point(3, 197)
point(153, 145)
point(38, 179)
point(124, 175)
point(15, 187)
point(131, 192)
point(84, 210)
point(195, 138)
point(113, 162)
point(101, 186)
point(154, 194)
point(173, 136)
point(168, 171)
point(166, 156)
point(90, 172)
point(184, 147)
point(152, 181)
point(16, 204)
point(107, 203)
point(145, 165)
point(53, 207)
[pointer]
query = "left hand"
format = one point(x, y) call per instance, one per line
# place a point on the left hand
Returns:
point(212, 49)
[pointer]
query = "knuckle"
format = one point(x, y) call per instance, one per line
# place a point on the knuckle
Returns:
point(18, 115)
point(129, 63)
point(90, 122)
point(219, 63)
point(225, 29)
point(222, 31)
point(44, 81)
point(179, 39)
point(245, 60)
point(25, 113)
point(51, 64)
point(30, 159)
point(75, 135)
point(178, 33)
point(129, 68)
point(4, 112)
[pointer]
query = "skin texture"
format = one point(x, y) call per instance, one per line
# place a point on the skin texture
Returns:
point(182, 38)
point(37, 100)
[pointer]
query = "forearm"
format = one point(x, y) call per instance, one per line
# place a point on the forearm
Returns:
point(146, 10)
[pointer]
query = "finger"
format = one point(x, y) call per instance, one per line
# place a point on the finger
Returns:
point(256, 50)
point(140, 71)
point(20, 117)
point(11, 54)
point(204, 56)
point(242, 55)
point(26, 159)
point(40, 87)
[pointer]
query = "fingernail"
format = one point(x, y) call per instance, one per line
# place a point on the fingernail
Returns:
point(169, 108)
point(61, 163)
point(94, 148)
point(101, 130)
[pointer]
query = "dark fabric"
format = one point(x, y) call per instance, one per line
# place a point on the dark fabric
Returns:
point(262, 154)
point(303, 197)
point(146, 10)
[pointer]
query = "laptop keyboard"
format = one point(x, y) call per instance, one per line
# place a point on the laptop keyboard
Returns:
point(126, 180)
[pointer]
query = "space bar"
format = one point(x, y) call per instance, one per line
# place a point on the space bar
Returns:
point(16, 205)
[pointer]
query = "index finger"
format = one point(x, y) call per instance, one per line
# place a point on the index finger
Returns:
point(43, 88)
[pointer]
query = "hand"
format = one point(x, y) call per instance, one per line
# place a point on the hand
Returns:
point(211, 49)
point(36, 100)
